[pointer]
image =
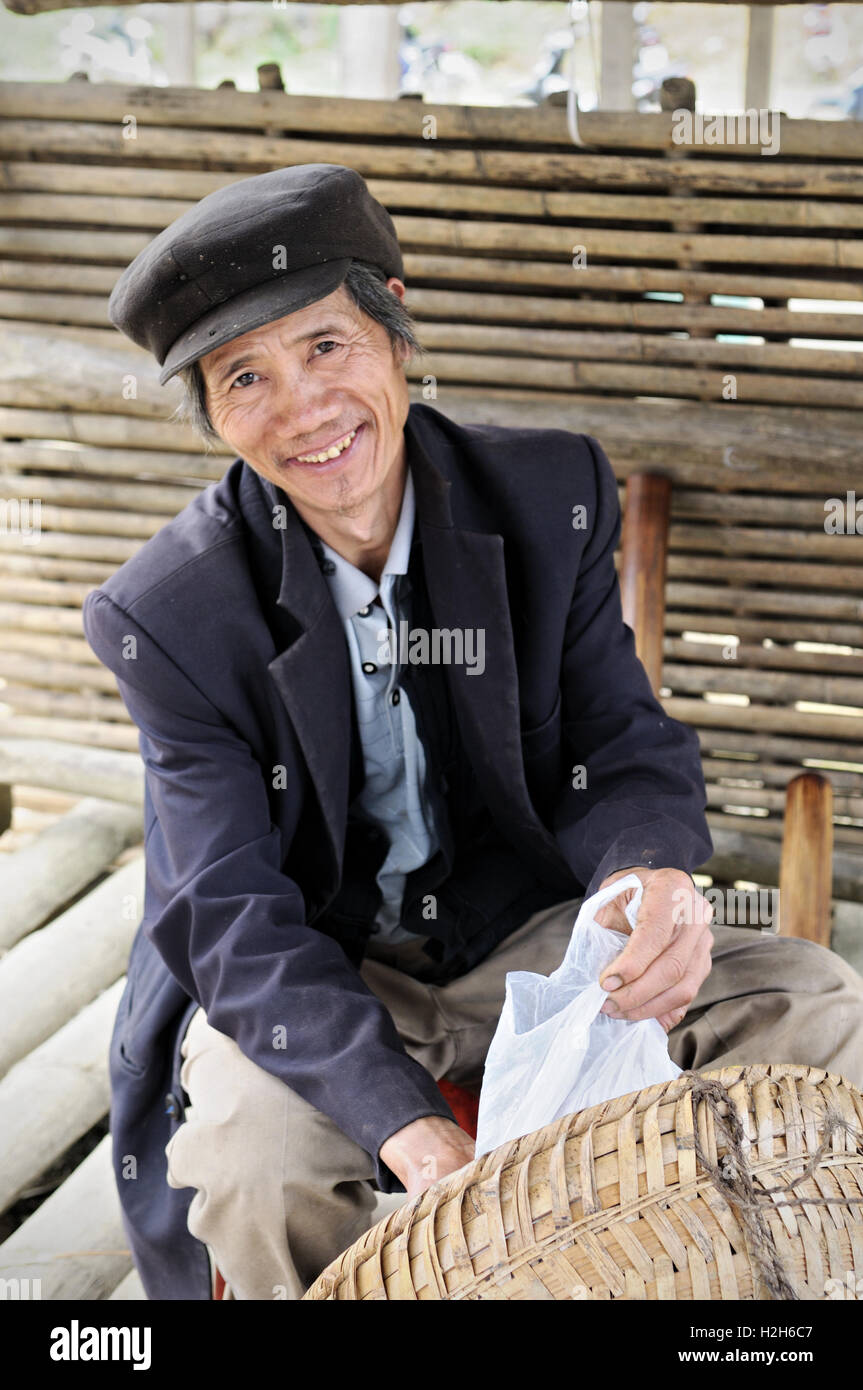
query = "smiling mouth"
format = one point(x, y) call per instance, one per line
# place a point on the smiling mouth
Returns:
point(322, 459)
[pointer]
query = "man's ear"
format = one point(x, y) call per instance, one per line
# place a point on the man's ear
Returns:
point(397, 286)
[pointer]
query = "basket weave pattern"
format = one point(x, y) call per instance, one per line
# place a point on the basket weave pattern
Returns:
point(612, 1203)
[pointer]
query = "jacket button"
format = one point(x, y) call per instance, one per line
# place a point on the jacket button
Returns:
point(173, 1106)
point(369, 667)
point(396, 696)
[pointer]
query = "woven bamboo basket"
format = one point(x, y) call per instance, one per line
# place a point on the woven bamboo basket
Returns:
point(666, 1193)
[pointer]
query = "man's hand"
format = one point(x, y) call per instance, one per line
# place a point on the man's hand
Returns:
point(667, 959)
point(425, 1150)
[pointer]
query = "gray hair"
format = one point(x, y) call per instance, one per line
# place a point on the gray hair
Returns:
point(367, 286)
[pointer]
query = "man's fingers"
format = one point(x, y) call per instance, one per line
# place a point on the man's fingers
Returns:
point(669, 969)
point(639, 1000)
point(670, 920)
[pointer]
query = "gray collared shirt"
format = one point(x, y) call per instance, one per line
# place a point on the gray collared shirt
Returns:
point(395, 769)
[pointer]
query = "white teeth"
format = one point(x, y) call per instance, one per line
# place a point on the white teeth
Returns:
point(331, 453)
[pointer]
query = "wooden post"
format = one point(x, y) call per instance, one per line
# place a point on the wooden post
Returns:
point(270, 78)
point(759, 57)
point(368, 47)
point(644, 553)
point(616, 56)
point(806, 868)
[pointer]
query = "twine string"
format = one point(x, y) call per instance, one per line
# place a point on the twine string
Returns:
point(734, 1180)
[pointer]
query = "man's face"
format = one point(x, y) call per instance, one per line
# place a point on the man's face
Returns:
point(299, 387)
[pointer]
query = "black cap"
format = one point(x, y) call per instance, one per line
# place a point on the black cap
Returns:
point(248, 254)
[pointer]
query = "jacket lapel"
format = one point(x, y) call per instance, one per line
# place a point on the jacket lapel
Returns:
point(466, 578)
point(312, 671)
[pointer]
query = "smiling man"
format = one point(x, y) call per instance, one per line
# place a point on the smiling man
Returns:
point(347, 851)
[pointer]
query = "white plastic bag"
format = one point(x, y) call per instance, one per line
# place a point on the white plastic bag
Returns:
point(554, 1052)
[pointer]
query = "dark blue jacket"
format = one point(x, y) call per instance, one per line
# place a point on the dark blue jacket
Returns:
point(231, 659)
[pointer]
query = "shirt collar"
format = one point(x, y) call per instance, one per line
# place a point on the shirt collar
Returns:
point(350, 587)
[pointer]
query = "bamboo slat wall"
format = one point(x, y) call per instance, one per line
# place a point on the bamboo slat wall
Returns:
point(585, 288)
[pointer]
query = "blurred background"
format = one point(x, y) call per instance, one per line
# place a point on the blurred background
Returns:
point(464, 51)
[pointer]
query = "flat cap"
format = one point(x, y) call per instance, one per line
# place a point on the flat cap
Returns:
point(248, 254)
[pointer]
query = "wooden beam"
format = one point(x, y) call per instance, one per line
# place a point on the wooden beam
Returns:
point(74, 1243)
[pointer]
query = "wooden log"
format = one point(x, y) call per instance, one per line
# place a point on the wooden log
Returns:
point(76, 732)
point(765, 685)
point(774, 719)
point(725, 796)
point(22, 311)
point(497, 271)
point(59, 703)
point(739, 854)
point(74, 1243)
point(459, 305)
point(110, 431)
point(744, 447)
point(89, 494)
point(756, 629)
point(644, 546)
point(64, 858)
point(794, 750)
point(75, 546)
point(22, 383)
point(768, 775)
point(47, 201)
point(69, 649)
point(746, 656)
point(754, 387)
point(801, 513)
point(56, 1094)
point(732, 570)
point(61, 586)
point(32, 618)
point(351, 117)
point(761, 540)
point(435, 160)
point(57, 675)
point(110, 463)
point(588, 346)
point(84, 771)
point(738, 599)
point(93, 522)
point(32, 700)
point(805, 876)
point(54, 972)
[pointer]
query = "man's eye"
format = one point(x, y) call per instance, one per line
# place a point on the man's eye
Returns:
point(327, 343)
point(240, 378)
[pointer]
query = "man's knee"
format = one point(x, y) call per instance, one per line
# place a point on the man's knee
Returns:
point(245, 1129)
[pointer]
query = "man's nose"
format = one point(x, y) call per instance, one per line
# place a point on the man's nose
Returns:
point(300, 405)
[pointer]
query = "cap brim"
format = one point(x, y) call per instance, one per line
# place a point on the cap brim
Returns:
point(259, 305)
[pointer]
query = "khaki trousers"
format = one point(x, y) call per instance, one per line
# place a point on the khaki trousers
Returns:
point(281, 1191)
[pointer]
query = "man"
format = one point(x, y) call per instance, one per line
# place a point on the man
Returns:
point(394, 731)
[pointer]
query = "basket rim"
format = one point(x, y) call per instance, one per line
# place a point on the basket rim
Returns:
point(489, 1167)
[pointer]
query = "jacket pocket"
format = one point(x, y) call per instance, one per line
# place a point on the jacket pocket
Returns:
point(124, 1032)
point(542, 756)
point(545, 735)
